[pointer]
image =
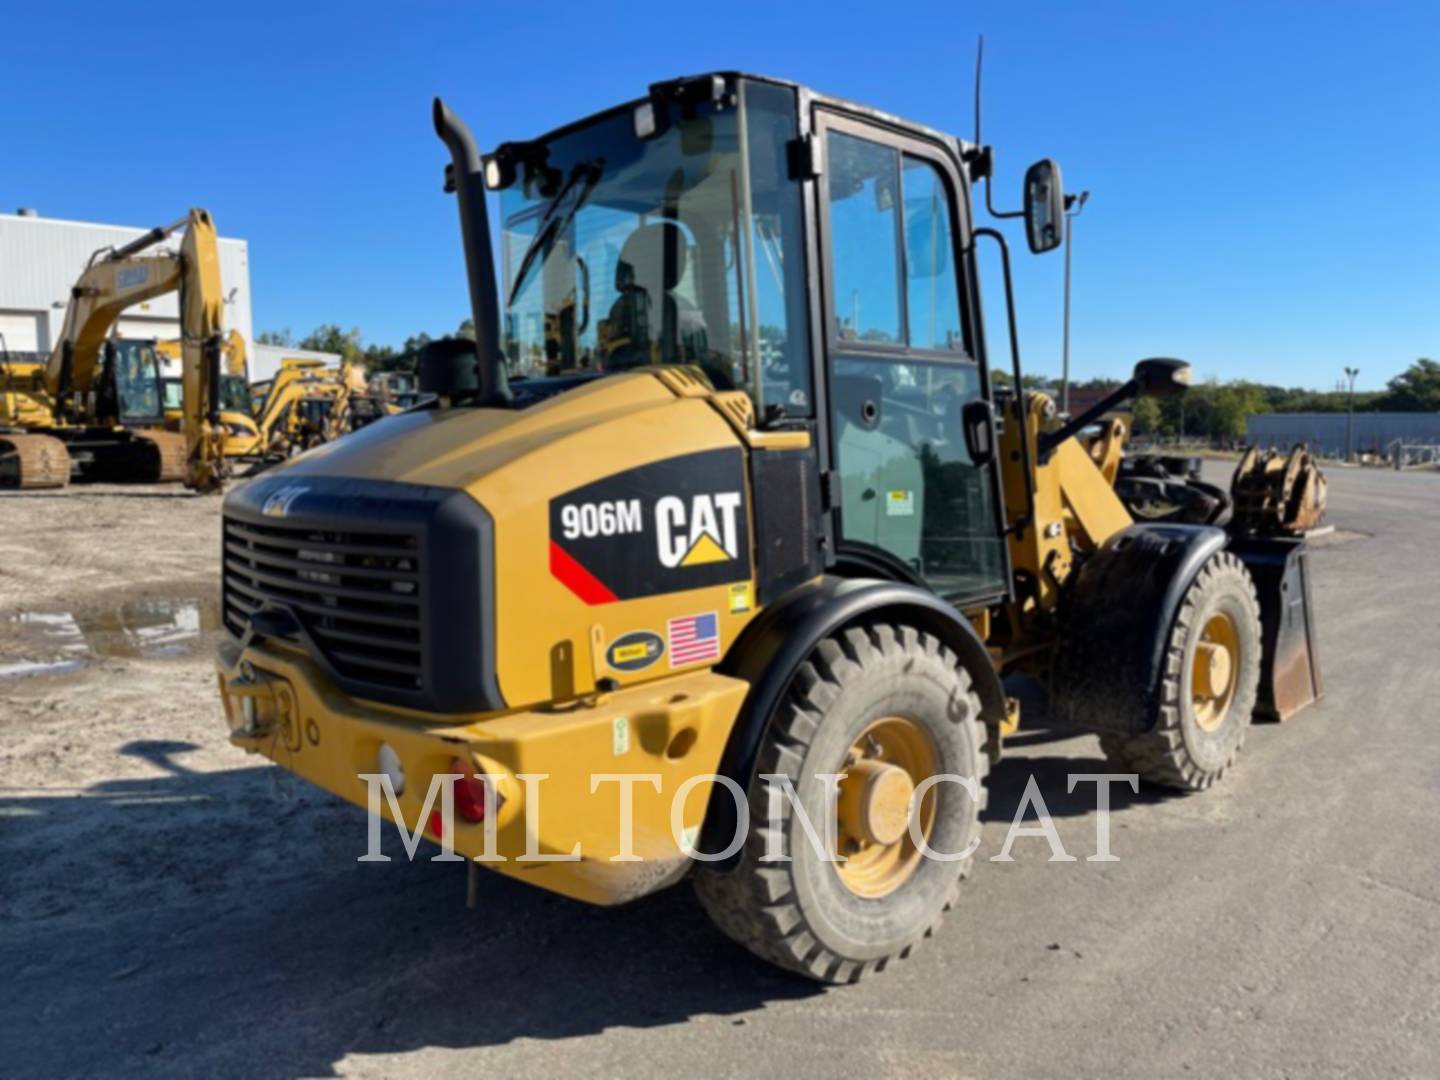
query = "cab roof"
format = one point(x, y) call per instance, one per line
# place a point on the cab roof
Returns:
point(807, 97)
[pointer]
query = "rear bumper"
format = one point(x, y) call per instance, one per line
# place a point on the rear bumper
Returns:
point(673, 730)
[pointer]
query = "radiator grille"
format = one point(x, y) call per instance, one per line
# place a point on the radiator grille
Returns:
point(357, 593)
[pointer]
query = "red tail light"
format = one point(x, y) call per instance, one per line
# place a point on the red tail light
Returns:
point(469, 791)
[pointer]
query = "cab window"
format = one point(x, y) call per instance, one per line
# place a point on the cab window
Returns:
point(682, 245)
point(901, 374)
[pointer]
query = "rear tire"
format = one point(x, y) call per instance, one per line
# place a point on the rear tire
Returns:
point(800, 914)
point(1195, 736)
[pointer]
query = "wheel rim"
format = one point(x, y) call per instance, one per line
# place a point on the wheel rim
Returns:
point(883, 767)
point(1214, 670)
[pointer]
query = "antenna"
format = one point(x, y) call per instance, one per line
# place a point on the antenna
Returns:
point(979, 67)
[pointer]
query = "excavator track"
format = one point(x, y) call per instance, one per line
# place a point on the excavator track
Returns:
point(169, 455)
point(134, 457)
point(33, 461)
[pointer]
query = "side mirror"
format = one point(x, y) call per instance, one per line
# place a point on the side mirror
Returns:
point(449, 368)
point(1157, 377)
point(1044, 206)
point(1161, 377)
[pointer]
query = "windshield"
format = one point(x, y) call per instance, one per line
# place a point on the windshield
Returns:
point(234, 393)
point(621, 252)
point(137, 381)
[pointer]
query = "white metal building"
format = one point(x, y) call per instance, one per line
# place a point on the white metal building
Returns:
point(40, 258)
point(1325, 433)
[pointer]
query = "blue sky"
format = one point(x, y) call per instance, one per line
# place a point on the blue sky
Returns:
point(1263, 176)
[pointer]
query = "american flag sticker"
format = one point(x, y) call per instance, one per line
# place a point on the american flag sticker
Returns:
point(694, 638)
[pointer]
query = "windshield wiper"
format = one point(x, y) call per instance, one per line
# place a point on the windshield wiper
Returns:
point(581, 182)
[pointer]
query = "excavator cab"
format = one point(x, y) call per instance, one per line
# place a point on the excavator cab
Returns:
point(131, 391)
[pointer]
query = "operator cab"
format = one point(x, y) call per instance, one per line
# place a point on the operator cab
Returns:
point(813, 253)
point(130, 390)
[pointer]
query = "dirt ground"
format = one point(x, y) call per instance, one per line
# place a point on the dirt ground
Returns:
point(171, 906)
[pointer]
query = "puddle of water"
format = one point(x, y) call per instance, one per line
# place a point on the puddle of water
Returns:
point(141, 628)
point(39, 667)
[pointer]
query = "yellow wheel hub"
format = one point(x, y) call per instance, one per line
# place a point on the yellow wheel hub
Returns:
point(876, 802)
point(1213, 671)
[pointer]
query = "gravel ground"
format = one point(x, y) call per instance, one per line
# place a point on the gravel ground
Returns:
point(169, 905)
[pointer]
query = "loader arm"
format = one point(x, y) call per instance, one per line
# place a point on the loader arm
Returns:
point(1075, 509)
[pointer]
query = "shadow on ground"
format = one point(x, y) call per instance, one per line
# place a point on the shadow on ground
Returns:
point(215, 923)
point(198, 923)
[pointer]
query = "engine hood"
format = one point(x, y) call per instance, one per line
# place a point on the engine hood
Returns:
point(457, 447)
point(606, 505)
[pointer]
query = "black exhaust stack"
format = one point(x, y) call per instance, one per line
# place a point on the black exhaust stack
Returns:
point(465, 177)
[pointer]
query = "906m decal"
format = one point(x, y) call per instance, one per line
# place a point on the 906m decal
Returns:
point(681, 523)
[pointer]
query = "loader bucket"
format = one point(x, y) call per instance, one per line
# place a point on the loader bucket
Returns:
point(1290, 665)
point(1277, 495)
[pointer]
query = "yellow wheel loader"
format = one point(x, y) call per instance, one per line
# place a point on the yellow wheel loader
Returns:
point(741, 563)
point(99, 399)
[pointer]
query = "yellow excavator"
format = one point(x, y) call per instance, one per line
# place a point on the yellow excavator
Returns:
point(28, 461)
point(354, 405)
point(309, 402)
point(728, 591)
point(242, 435)
point(96, 408)
point(291, 409)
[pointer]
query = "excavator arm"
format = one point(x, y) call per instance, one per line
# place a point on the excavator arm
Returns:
point(103, 292)
point(352, 388)
point(201, 346)
point(235, 358)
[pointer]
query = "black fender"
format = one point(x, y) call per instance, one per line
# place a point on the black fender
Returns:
point(771, 649)
point(1115, 620)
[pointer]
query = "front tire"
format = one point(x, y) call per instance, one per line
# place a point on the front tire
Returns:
point(887, 706)
point(1208, 686)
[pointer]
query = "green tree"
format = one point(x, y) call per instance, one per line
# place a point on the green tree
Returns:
point(381, 358)
point(1031, 382)
point(330, 338)
point(1416, 389)
point(1233, 403)
point(1145, 416)
point(275, 337)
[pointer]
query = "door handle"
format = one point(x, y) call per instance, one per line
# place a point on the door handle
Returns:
point(978, 419)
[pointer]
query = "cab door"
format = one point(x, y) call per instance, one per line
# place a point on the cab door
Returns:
point(903, 364)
